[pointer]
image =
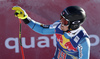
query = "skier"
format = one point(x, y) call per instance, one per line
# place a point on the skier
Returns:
point(71, 38)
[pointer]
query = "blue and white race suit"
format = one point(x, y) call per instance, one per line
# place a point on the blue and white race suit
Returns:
point(72, 45)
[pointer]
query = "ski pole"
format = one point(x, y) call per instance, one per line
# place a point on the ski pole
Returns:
point(22, 52)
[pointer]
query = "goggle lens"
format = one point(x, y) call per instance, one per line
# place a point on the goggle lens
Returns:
point(64, 21)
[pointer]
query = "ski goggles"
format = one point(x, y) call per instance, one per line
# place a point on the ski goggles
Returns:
point(64, 21)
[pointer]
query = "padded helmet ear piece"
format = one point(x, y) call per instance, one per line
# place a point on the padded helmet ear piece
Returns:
point(73, 27)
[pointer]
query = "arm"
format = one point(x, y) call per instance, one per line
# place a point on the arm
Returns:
point(84, 48)
point(36, 26)
point(39, 28)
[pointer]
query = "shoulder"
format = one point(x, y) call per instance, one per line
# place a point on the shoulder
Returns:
point(85, 38)
point(84, 32)
point(54, 25)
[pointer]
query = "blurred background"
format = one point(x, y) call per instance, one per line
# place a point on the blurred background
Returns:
point(37, 46)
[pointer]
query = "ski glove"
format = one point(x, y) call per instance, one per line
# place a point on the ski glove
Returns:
point(19, 12)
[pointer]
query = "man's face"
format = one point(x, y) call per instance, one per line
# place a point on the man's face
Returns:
point(64, 28)
point(64, 24)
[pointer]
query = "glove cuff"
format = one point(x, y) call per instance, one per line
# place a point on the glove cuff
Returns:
point(26, 20)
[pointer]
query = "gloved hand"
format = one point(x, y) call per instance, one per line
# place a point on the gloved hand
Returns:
point(19, 12)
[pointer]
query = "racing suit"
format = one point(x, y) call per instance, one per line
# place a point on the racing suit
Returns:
point(69, 45)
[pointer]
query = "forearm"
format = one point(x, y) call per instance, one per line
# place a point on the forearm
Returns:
point(36, 26)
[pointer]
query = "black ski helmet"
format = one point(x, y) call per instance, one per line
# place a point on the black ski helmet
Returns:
point(75, 15)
